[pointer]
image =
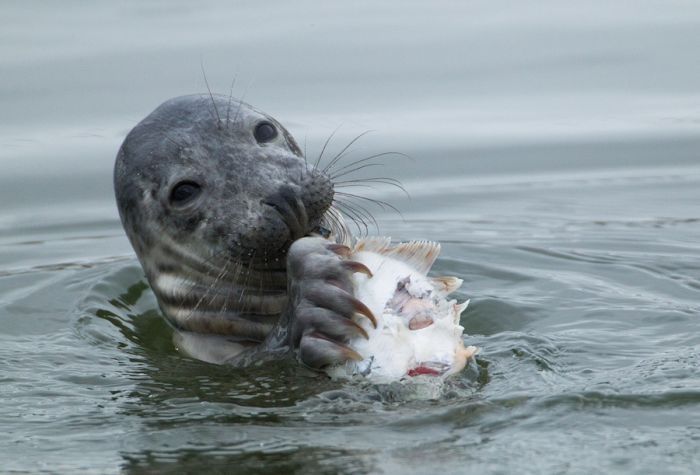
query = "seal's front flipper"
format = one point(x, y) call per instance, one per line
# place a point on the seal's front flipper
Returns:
point(317, 351)
point(322, 308)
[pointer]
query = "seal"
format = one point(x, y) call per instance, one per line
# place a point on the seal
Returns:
point(221, 208)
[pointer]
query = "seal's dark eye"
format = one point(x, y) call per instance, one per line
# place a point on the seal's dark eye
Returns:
point(184, 192)
point(264, 132)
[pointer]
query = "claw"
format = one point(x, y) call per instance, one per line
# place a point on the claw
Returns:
point(340, 249)
point(358, 267)
point(329, 323)
point(364, 310)
point(343, 348)
point(318, 351)
point(357, 328)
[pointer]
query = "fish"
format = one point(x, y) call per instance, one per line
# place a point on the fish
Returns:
point(418, 331)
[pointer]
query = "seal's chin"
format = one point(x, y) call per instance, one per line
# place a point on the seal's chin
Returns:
point(267, 249)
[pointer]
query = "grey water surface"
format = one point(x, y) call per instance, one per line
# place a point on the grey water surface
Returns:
point(555, 152)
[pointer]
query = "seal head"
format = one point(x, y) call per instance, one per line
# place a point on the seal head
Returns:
point(212, 193)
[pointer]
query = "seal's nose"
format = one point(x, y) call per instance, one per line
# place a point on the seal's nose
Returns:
point(287, 202)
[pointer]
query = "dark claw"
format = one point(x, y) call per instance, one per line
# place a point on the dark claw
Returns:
point(317, 351)
point(357, 267)
point(330, 323)
point(362, 309)
point(340, 301)
point(323, 311)
point(340, 249)
point(357, 328)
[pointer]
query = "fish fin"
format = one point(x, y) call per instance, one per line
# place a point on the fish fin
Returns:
point(458, 309)
point(468, 352)
point(461, 307)
point(418, 254)
point(378, 244)
point(446, 284)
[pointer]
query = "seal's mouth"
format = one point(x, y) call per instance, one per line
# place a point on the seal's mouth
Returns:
point(288, 204)
point(321, 231)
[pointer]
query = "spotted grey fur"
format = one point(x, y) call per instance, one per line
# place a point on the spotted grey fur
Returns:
point(218, 260)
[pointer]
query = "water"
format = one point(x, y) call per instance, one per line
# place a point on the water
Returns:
point(555, 155)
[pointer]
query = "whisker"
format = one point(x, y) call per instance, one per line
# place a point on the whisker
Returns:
point(366, 183)
point(364, 212)
point(354, 216)
point(216, 110)
point(371, 157)
point(377, 179)
point(247, 278)
point(357, 169)
point(306, 161)
point(355, 221)
point(328, 140)
point(381, 203)
point(339, 155)
point(206, 293)
point(240, 102)
point(334, 223)
point(230, 98)
point(338, 224)
point(221, 274)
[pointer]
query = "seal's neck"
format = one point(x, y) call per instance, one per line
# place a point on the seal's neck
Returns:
point(225, 298)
